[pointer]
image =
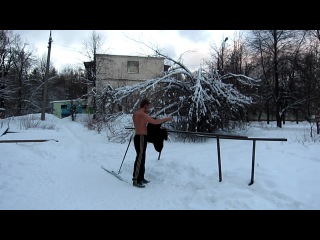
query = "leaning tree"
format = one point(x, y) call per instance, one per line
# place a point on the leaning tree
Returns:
point(199, 101)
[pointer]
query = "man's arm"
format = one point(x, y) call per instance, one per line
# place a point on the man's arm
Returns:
point(157, 121)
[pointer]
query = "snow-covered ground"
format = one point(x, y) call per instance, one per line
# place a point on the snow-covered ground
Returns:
point(67, 173)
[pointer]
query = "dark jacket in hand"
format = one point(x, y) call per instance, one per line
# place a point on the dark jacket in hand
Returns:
point(156, 135)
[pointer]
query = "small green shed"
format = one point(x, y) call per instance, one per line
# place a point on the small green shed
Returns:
point(62, 108)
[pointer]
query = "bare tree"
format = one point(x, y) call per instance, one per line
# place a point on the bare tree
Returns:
point(308, 79)
point(219, 55)
point(19, 85)
point(6, 39)
point(91, 47)
point(275, 47)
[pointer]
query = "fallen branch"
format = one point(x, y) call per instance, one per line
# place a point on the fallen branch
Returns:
point(27, 140)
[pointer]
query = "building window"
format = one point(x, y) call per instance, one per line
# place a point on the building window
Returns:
point(133, 67)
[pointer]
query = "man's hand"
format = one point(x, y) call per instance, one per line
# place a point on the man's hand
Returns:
point(169, 118)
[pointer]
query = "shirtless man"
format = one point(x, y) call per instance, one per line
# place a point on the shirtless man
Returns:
point(140, 120)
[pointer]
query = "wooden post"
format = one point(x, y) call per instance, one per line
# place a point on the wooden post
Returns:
point(44, 97)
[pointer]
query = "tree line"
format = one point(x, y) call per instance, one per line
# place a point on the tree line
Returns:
point(22, 76)
point(286, 62)
point(271, 72)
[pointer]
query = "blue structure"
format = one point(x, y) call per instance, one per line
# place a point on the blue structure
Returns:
point(63, 108)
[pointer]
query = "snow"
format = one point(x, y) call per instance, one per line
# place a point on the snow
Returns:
point(67, 174)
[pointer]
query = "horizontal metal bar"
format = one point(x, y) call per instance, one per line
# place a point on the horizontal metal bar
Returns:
point(235, 137)
point(224, 136)
point(209, 134)
point(267, 139)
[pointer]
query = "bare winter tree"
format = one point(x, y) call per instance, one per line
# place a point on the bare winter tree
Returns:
point(308, 80)
point(220, 55)
point(22, 88)
point(38, 78)
point(232, 57)
point(91, 47)
point(275, 48)
point(19, 85)
point(6, 39)
point(74, 84)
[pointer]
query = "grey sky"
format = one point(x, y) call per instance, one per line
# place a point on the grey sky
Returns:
point(67, 45)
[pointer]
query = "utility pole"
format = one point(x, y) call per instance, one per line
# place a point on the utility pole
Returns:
point(222, 55)
point(44, 98)
point(2, 84)
point(94, 81)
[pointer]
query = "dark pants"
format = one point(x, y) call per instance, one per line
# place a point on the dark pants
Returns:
point(140, 144)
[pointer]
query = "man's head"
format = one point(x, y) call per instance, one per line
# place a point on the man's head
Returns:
point(145, 103)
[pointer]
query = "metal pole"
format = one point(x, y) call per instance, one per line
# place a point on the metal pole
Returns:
point(125, 153)
point(219, 159)
point(253, 160)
